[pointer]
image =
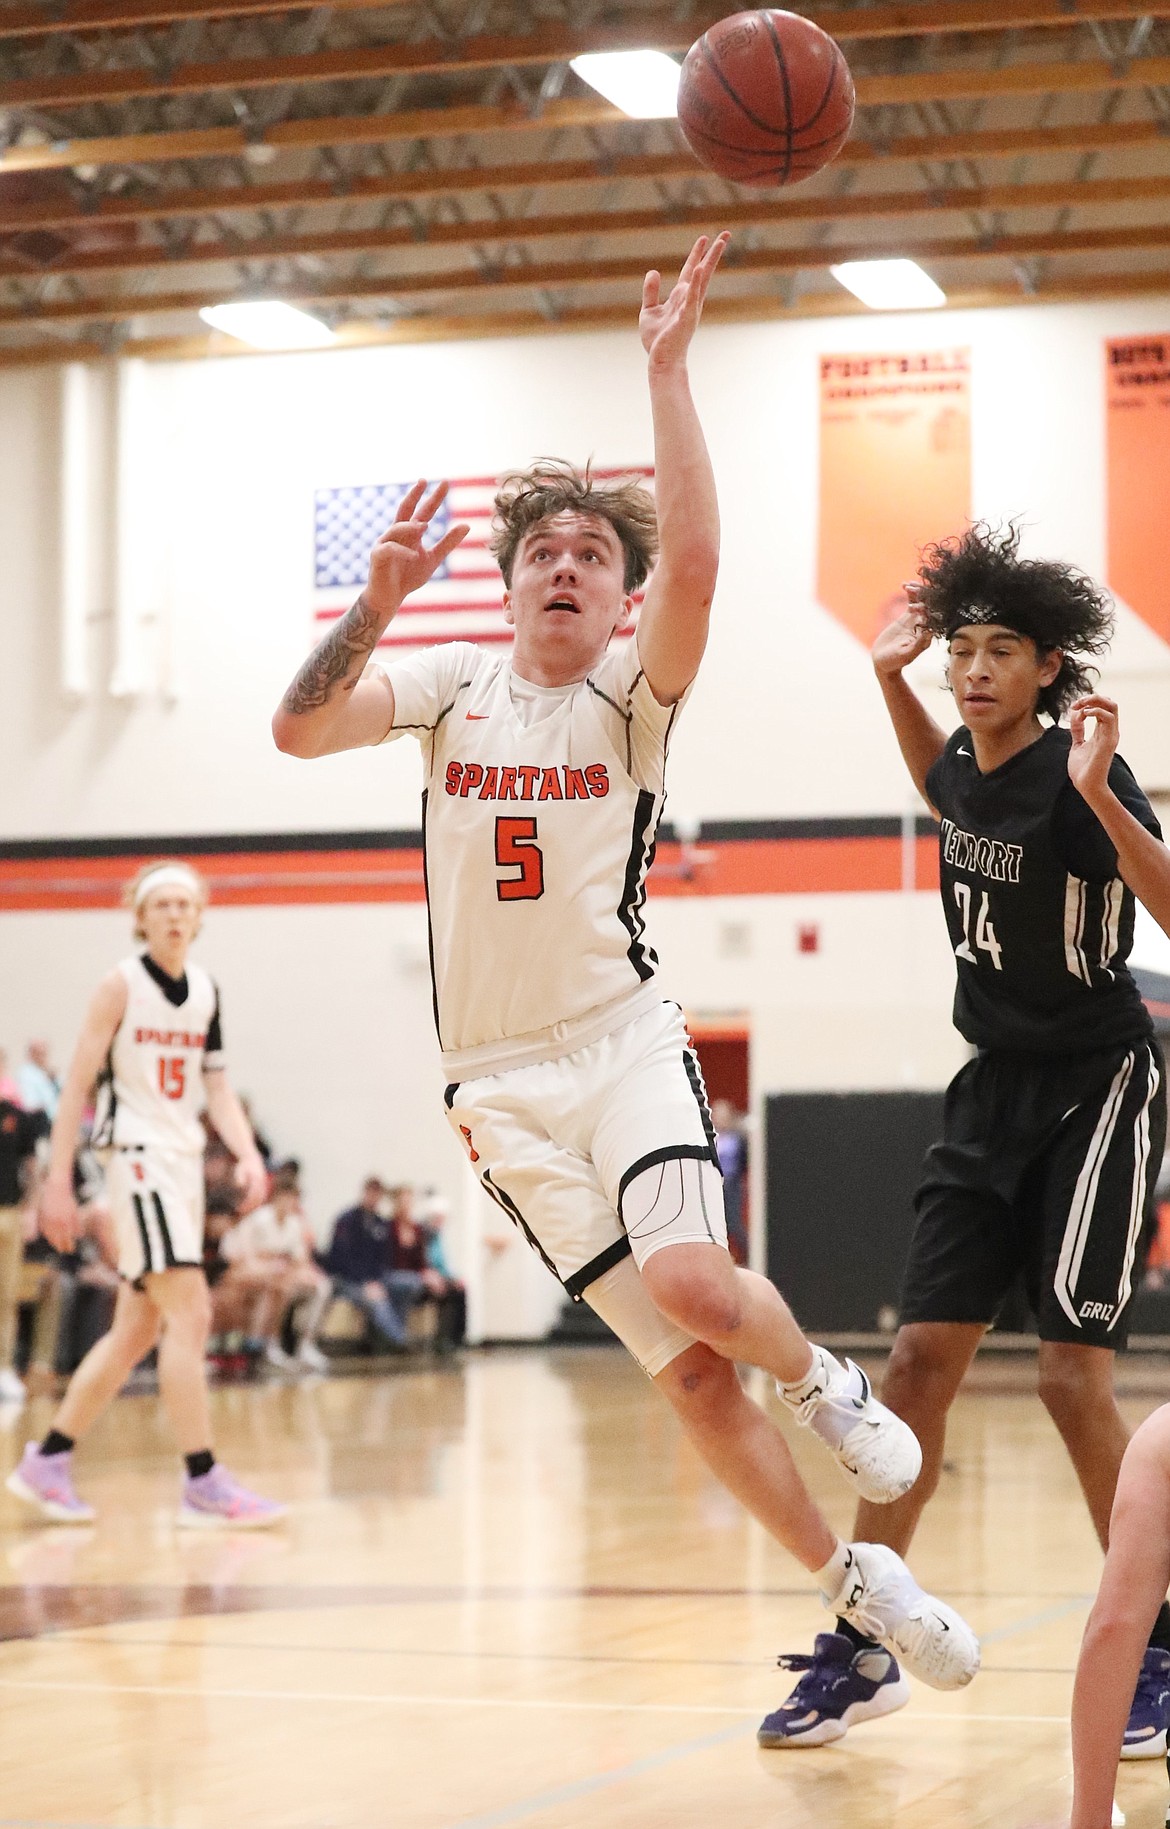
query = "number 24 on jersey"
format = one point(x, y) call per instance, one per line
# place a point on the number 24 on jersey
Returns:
point(983, 937)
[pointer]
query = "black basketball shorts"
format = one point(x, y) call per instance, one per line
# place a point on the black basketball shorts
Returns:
point(1046, 1166)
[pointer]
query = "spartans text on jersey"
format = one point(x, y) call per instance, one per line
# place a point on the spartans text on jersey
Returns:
point(519, 783)
point(170, 1038)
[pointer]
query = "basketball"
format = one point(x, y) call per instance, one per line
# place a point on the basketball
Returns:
point(765, 98)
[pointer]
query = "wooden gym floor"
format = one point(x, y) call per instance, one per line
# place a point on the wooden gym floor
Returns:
point(509, 1594)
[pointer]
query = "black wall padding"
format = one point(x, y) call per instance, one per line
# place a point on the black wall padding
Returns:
point(840, 1172)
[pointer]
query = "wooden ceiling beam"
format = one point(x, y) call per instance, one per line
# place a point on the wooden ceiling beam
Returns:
point(759, 213)
point(80, 16)
point(436, 328)
point(310, 135)
point(469, 181)
point(309, 193)
point(546, 44)
point(74, 17)
point(121, 307)
point(318, 133)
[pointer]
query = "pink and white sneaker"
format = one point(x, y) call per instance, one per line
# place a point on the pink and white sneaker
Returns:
point(46, 1481)
point(217, 1500)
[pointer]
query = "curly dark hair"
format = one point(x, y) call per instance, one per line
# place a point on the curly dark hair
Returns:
point(979, 577)
point(552, 486)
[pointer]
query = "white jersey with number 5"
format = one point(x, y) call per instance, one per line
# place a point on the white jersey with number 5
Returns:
point(539, 817)
point(151, 1092)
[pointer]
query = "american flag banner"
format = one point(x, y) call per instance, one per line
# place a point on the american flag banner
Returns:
point(463, 601)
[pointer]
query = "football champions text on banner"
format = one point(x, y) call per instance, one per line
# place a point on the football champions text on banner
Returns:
point(895, 472)
point(464, 599)
point(1137, 416)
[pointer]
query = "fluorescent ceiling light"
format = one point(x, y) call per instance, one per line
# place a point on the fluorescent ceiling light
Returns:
point(268, 323)
point(643, 84)
point(889, 285)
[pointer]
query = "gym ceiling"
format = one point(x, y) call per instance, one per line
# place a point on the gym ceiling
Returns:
point(433, 168)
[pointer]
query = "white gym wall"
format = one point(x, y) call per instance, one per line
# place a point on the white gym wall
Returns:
point(190, 542)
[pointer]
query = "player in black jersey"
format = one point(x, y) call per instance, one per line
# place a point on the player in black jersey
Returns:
point(1053, 1132)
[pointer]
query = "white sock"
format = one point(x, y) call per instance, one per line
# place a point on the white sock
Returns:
point(814, 1379)
point(831, 1579)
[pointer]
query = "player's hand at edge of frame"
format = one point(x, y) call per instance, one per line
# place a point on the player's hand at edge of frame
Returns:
point(251, 1177)
point(401, 561)
point(666, 325)
point(1095, 726)
point(903, 639)
point(57, 1214)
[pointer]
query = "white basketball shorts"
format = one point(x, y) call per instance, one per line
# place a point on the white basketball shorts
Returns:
point(156, 1198)
point(557, 1144)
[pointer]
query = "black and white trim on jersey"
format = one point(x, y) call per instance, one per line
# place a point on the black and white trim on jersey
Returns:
point(539, 820)
point(158, 1255)
point(1092, 928)
point(642, 848)
point(507, 1205)
point(105, 1104)
point(430, 925)
point(1118, 1153)
point(151, 1089)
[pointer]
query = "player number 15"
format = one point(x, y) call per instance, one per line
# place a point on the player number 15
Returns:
point(984, 935)
point(172, 1076)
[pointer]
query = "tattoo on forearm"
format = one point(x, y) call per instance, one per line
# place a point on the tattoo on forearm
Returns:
point(354, 639)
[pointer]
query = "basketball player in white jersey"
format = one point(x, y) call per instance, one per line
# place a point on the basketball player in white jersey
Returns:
point(572, 1082)
point(152, 1040)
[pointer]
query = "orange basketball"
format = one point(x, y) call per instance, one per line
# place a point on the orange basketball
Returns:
point(765, 98)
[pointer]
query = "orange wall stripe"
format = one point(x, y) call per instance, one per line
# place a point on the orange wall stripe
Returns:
point(267, 879)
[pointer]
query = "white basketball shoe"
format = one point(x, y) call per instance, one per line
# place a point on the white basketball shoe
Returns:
point(880, 1598)
point(878, 1453)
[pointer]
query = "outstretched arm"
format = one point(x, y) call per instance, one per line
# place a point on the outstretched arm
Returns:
point(672, 629)
point(336, 702)
point(920, 739)
point(56, 1209)
point(1133, 1587)
point(1143, 862)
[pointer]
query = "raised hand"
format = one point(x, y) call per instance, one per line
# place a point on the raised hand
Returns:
point(1095, 728)
point(904, 639)
point(401, 561)
point(666, 325)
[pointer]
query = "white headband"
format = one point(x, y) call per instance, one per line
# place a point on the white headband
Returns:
point(167, 876)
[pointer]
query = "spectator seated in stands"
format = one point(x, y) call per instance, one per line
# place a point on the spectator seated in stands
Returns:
point(452, 1298)
point(221, 1193)
point(358, 1261)
point(9, 1090)
point(20, 1133)
point(88, 1283)
point(71, 1294)
point(40, 1089)
point(270, 1268)
point(413, 1281)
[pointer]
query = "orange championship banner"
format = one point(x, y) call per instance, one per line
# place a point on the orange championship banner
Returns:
point(895, 473)
point(1137, 440)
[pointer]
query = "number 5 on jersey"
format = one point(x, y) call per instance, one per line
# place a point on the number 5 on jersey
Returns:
point(984, 935)
point(516, 848)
